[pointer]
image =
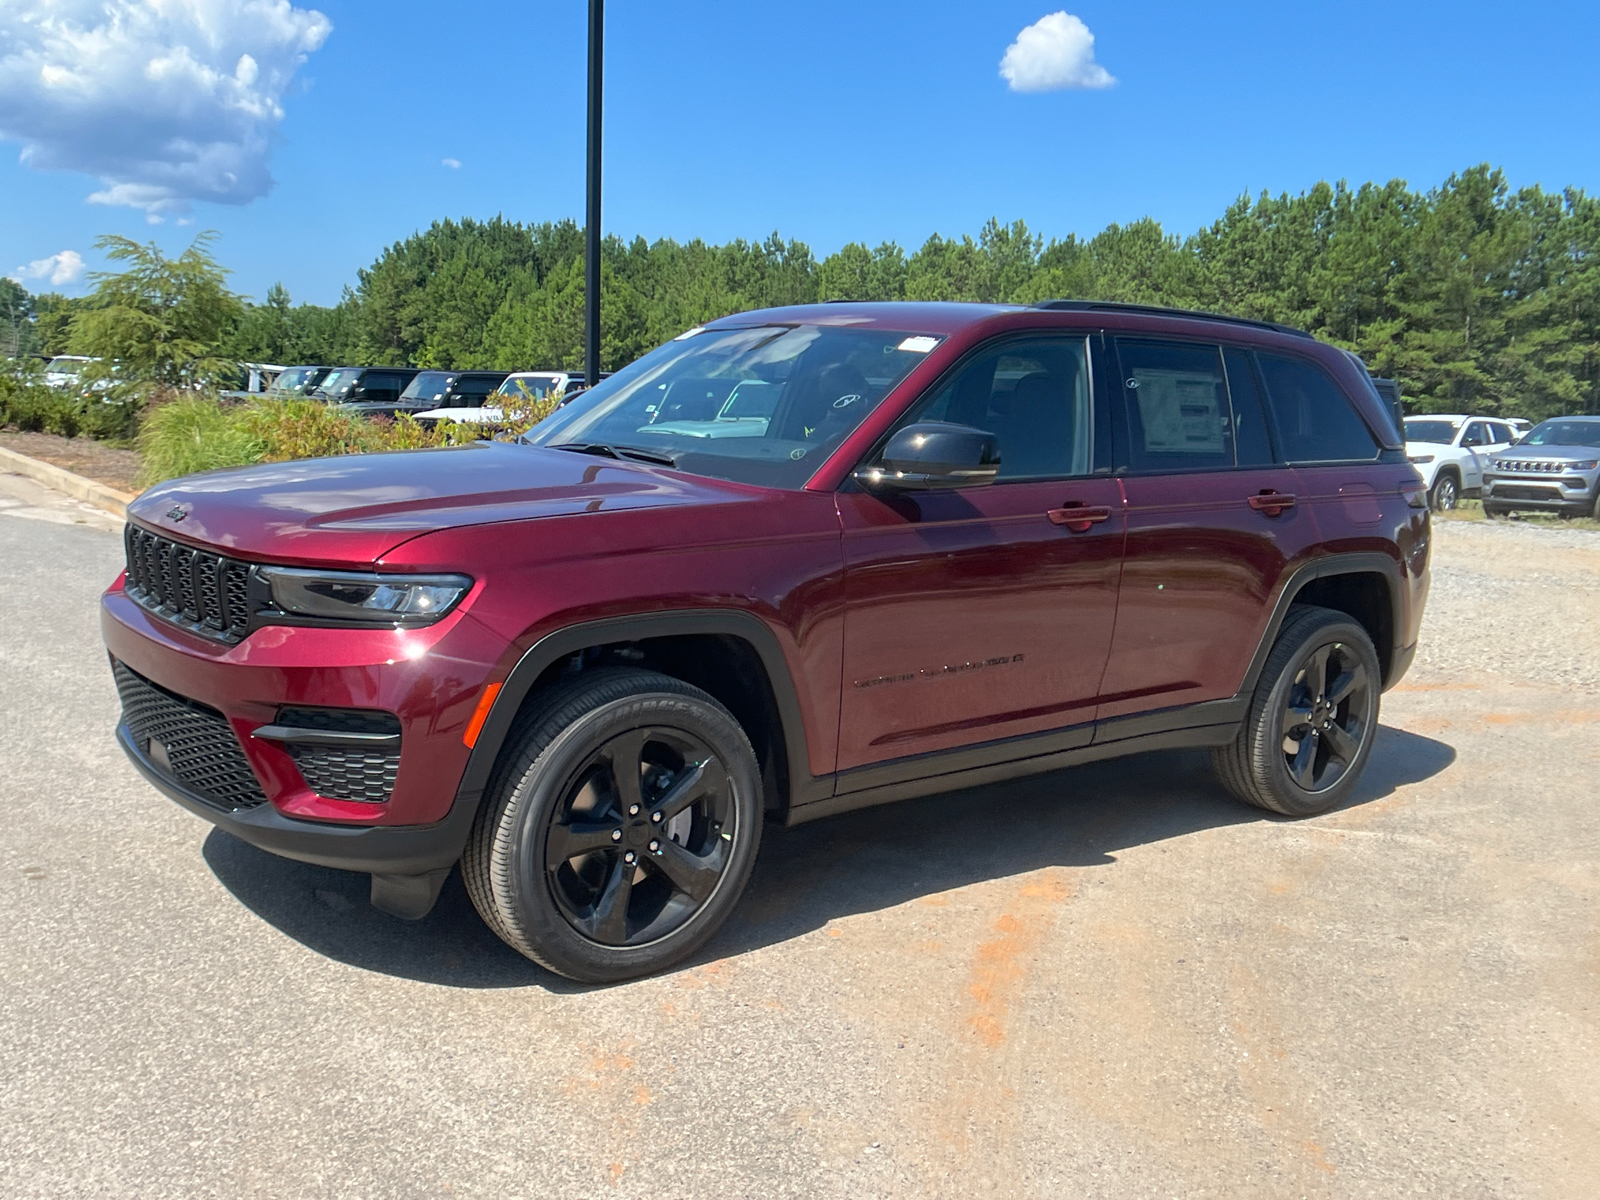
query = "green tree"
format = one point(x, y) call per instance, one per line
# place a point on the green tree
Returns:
point(17, 336)
point(162, 320)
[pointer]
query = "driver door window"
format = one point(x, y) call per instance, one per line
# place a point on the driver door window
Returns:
point(1033, 396)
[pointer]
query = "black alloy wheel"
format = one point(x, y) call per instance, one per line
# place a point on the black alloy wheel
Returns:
point(1446, 493)
point(1325, 717)
point(1312, 719)
point(620, 828)
point(641, 838)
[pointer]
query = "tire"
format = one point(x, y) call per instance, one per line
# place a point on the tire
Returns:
point(1258, 766)
point(637, 893)
point(1493, 511)
point(1446, 493)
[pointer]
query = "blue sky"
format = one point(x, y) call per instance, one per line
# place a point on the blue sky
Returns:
point(828, 121)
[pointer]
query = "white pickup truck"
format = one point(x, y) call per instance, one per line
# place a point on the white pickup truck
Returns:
point(1449, 450)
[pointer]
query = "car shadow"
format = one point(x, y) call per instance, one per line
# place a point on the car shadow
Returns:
point(811, 875)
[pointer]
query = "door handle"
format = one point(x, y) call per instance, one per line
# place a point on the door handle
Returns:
point(1078, 517)
point(1271, 503)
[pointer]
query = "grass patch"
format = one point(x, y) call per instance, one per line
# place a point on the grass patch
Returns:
point(1472, 510)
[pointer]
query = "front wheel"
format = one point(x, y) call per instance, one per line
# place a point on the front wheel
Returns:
point(1446, 494)
point(622, 829)
point(1312, 719)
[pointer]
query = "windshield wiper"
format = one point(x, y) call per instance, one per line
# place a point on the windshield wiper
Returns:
point(609, 450)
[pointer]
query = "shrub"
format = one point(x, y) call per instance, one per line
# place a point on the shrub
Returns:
point(195, 433)
point(290, 429)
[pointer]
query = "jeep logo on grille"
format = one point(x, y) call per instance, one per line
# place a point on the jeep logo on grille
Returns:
point(177, 512)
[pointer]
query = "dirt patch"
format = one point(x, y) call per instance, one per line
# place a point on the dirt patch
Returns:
point(82, 456)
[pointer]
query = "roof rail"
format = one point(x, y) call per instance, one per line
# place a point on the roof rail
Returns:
point(1157, 310)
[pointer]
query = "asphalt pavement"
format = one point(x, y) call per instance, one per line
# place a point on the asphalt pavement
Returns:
point(1108, 982)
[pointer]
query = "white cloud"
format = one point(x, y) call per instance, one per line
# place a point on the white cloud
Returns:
point(1056, 51)
point(58, 269)
point(453, 163)
point(166, 101)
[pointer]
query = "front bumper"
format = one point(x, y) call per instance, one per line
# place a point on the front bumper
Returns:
point(1573, 495)
point(430, 679)
point(376, 849)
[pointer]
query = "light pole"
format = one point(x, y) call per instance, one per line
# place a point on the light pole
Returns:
point(591, 263)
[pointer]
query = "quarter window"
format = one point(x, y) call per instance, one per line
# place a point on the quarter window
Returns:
point(1033, 396)
point(1315, 421)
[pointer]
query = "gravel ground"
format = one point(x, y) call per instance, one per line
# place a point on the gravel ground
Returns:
point(1110, 982)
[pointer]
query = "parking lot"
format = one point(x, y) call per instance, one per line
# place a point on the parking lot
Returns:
point(1107, 982)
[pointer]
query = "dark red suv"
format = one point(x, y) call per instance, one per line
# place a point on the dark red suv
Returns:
point(791, 563)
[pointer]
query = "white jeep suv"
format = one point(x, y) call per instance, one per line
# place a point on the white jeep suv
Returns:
point(1450, 451)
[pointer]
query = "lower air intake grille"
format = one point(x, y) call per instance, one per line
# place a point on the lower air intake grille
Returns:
point(365, 776)
point(188, 742)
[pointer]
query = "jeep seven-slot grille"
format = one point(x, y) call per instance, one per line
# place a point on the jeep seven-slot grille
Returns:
point(203, 592)
point(188, 742)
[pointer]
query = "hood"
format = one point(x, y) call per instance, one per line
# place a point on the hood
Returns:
point(354, 509)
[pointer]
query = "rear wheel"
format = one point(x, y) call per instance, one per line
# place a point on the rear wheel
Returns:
point(1312, 719)
point(1446, 493)
point(622, 830)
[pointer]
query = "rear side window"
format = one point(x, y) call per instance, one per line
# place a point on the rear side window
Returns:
point(1176, 398)
point(1315, 421)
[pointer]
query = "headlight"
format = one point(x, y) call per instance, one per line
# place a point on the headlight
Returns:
point(1587, 464)
point(1422, 458)
point(365, 598)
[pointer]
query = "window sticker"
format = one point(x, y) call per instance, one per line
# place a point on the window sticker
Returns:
point(1181, 411)
point(918, 345)
point(689, 333)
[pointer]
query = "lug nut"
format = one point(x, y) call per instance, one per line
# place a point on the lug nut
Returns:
point(616, 835)
point(634, 811)
point(628, 857)
point(655, 817)
point(655, 847)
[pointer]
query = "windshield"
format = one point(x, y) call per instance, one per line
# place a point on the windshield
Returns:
point(1564, 433)
point(763, 404)
point(339, 382)
point(1442, 432)
point(525, 387)
point(430, 385)
point(65, 366)
point(295, 379)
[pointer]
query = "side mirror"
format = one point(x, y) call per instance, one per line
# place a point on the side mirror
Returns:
point(931, 455)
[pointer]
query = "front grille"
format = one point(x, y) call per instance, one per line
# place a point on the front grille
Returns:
point(1531, 466)
point(1505, 492)
point(365, 775)
point(204, 592)
point(194, 745)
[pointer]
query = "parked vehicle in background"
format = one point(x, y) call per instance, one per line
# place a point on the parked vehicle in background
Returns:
point(63, 370)
point(294, 382)
point(449, 390)
point(371, 391)
point(957, 543)
point(1555, 468)
point(1519, 426)
point(518, 390)
point(1450, 450)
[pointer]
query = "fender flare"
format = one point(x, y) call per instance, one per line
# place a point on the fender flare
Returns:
point(1355, 563)
point(570, 639)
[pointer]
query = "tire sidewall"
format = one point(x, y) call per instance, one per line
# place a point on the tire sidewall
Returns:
point(1446, 485)
point(522, 891)
point(1295, 800)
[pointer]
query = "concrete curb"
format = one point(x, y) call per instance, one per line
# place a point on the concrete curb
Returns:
point(63, 480)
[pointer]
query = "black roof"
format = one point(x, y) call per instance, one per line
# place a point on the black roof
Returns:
point(1158, 311)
